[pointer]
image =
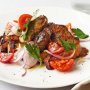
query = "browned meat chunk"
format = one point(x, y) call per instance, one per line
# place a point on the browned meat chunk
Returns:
point(43, 55)
point(10, 37)
point(46, 59)
point(36, 26)
point(47, 63)
point(83, 52)
point(12, 40)
point(61, 31)
point(4, 46)
point(43, 38)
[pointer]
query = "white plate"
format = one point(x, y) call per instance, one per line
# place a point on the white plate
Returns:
point(41, 77)
point(85, 85)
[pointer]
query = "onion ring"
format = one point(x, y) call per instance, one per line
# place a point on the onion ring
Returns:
point(61, 57)
point(18, 55)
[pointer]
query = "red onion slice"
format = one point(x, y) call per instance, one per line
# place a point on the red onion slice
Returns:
point(61, 57)
point(18, 55)
point(29, 61)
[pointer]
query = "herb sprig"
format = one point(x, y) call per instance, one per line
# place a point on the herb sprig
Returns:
point(34, 52)
point(67, 45)
point(79, 33)
point(26, 25)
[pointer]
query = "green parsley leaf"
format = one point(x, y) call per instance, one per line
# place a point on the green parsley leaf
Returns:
point(24, 35)
point(79, 33)
point(34, 52)
point(67, 45)
point(26, 25)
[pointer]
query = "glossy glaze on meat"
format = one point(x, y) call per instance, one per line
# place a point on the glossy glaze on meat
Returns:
point(56, 31)
point(43, 38)
point(36, 26)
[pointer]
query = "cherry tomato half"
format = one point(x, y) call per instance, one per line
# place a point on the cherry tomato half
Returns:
point(22, 20)
point(55, 48)
point(6, 58)
point(62, 65)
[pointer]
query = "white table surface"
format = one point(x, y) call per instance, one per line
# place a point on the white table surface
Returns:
point(9, 5)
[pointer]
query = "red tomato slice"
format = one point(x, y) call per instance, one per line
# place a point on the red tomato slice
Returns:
point(55, 48)
point(62, 65)
point(6, 58)
point(22, 20)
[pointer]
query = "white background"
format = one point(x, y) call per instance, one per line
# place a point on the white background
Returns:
point(12, 5)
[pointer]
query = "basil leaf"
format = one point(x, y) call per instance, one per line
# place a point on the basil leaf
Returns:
point(79, 33)
point(67, 45)
point(34, 52)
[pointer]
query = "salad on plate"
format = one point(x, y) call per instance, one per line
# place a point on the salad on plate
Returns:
point(34, 41)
